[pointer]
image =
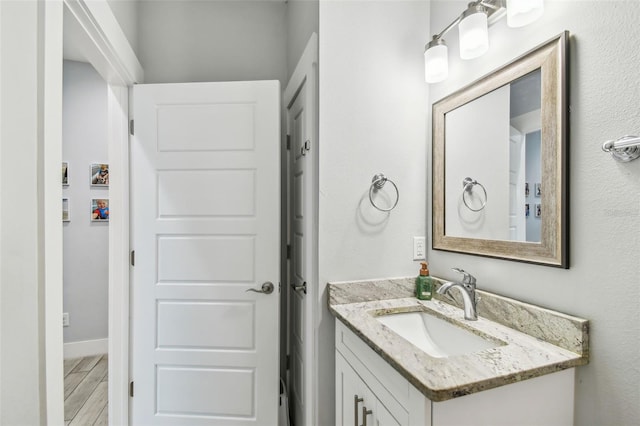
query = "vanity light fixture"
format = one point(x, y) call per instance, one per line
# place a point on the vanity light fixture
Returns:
point(436, 55)
point(473, 26)
point(474, 31)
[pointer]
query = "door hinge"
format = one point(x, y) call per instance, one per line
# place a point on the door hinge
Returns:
point(288, 142)
point(288, 251)
point(132, 257)
point(131, 389)
point(288, 362)
point(131, 127)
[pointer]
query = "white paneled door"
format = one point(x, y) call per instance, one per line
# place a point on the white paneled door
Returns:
point(300, 222)
point(205, 199)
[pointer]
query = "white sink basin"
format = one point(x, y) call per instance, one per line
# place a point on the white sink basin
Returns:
point(435, 336)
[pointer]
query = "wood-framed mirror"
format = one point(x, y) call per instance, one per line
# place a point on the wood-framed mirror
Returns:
point(500, 165)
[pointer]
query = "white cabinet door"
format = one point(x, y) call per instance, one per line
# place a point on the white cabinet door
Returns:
point(356, 404)
point(350, 392)
point(382, 416)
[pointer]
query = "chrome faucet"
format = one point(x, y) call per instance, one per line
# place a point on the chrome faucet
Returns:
point(468, 289)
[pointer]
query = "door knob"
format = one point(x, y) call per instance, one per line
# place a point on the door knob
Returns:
point(300, 287)
point(267, 288)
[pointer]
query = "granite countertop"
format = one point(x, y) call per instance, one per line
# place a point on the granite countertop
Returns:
point(531, 341)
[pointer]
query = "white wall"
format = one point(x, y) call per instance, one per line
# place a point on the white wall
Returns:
point(20, 329)
point(189, 41)
point(373, 119)
point(602, 283)
point(86, 243)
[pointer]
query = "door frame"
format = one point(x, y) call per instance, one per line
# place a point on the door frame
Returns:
point(306, 73)
point(101, 39)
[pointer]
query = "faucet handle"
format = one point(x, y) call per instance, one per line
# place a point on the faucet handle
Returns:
point(467, 278)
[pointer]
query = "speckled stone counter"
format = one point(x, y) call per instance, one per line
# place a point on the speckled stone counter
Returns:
point(531, 341)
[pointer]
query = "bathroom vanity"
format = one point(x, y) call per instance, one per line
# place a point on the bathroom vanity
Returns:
point(402, 361)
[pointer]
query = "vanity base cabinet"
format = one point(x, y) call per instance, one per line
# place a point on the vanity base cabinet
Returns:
point(361, 373)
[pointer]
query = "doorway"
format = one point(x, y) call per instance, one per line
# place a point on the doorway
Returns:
point(85, 192)
point(90, 36)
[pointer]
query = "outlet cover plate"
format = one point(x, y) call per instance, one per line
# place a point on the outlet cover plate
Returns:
point(419, 248)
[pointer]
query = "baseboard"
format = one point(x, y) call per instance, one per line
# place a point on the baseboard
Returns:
point(86, 348)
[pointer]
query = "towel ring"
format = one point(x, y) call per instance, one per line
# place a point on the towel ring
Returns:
point(624, 149)
point(377, 183)
point(467, 188)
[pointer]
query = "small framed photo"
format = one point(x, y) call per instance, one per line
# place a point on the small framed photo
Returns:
point(99, 210)
point(526, 189)
point(99, 174)
point(526, 210)
point(65, 173)
point(65, 210)
point(537, 190)
point(538, 210)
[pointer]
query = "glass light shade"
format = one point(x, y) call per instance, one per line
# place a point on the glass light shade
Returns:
point(436, 63)
point(523, 12)
point(474, 35)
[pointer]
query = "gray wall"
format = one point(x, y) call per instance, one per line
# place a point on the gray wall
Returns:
point(126, 13)
point(302, 21)
point(373, 119)
point(85, 244)
point(603, 283)
point(190, 41)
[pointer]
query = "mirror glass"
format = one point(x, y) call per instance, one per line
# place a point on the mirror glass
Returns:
point(509, 143)
point(499, 161)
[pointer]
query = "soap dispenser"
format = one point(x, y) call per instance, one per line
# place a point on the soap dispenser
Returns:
point(424, 283)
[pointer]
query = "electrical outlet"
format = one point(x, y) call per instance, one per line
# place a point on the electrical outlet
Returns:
point(419, 248)
point(65, 319)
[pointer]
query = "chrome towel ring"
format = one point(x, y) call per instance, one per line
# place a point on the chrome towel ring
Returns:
point(467, 188)
point(377, 183)
point(624, 149)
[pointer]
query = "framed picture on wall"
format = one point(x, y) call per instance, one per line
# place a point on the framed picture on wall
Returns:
point(99, 174)
point(99, 210)
point(537, 190)
point(526, 189)
point(65, 210)
point(526, 210)
point(65, 173)
point(538, 210)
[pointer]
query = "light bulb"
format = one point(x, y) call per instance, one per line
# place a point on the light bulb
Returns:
point(523, 12)
point(436, 61)
point(474, 32)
